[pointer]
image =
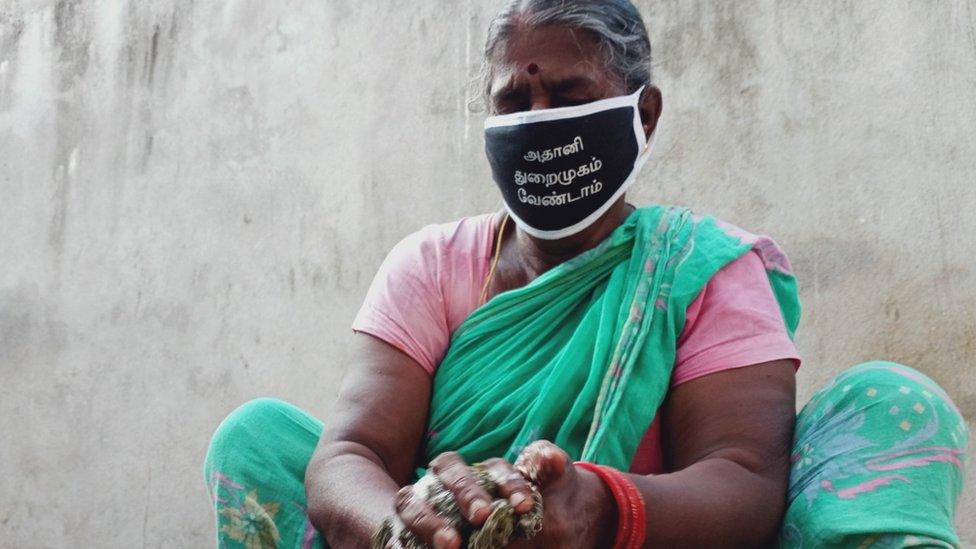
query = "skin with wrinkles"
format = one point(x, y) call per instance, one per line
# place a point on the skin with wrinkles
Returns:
point(498, 530)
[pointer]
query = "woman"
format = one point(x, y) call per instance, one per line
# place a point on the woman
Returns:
point(573, 326)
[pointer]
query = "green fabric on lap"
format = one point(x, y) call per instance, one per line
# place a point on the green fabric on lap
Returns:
point(878, 462)
point(848, 440)
point(255, 472)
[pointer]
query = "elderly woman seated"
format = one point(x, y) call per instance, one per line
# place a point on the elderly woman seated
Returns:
point(633, 366)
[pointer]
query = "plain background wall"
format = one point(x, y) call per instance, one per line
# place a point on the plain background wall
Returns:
point(194, 197)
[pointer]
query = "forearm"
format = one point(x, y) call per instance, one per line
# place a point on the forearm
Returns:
point(713, 503)
point(349, 493)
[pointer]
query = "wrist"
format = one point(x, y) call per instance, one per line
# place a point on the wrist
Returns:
point(603, 526)
point(629, 504)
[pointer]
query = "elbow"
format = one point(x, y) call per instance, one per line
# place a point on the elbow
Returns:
point(322, 476)
point(313, 474)
point(761, 501)
point(768, 510)
point(316, 496)
point(329, 489)
point(768, 526)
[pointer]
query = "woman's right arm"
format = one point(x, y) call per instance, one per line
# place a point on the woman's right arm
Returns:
point(369, 445)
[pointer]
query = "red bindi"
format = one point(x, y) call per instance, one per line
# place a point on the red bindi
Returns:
point(532, 68)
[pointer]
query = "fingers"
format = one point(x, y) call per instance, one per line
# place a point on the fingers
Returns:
point(544, 463)
point(511, 484)
point(456, 476)
point(420, 518)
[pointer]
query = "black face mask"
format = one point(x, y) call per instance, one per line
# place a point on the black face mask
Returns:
point(560, 169)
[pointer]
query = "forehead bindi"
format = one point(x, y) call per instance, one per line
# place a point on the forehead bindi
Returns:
point(552, 55)
point(548, 49)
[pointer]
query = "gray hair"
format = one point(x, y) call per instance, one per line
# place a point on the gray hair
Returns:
point(616, 24)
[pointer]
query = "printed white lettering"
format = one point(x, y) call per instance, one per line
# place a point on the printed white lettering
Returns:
point(565, 177)
point(559, 199)
point(556, 152)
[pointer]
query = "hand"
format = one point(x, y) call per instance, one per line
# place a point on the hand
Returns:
point(579, 508)
point(473, 501)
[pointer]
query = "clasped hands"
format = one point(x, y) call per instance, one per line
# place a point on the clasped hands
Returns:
point(578, 508)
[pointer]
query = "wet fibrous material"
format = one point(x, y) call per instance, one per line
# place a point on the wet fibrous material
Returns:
point(500, 528)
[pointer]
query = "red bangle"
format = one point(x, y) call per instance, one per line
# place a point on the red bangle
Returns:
point(631, 512)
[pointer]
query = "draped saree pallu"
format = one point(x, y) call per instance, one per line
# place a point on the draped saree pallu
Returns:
point(582, 356)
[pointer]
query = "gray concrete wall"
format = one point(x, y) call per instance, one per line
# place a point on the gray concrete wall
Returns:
point(195, 195)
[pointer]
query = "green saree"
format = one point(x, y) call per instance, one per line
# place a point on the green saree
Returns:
point(582, 356)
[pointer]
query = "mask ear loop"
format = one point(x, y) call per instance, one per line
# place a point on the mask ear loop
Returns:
point(645, 152)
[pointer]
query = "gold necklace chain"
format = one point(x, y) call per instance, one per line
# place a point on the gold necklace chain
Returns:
point(494, 261)
point(498, 250)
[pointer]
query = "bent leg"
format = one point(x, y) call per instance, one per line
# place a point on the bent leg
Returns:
point(877, 462)
point(255, 472)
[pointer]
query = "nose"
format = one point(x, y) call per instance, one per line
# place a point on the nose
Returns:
point(540, 102)
point(539, 96)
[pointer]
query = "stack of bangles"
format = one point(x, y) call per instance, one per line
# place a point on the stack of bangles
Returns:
point(631, 526)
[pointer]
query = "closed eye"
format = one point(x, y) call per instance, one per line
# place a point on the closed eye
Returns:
point(511, 101)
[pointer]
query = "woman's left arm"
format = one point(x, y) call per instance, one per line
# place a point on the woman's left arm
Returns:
point(727, 438)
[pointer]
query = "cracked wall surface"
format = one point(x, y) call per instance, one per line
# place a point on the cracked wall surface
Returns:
point(194, 197)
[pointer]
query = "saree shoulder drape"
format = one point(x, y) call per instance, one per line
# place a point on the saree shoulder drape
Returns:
point(582, 355)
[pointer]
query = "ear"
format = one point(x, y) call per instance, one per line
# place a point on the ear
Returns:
point(650, 106)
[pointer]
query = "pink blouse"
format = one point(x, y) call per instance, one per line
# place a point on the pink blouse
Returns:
point(432, 280)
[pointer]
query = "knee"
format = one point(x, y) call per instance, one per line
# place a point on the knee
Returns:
point(886, 380)
point(879, 371)
point(239, 429)
point(878, 428)
point(891, 398)
point(249, 416)
point(258, 410)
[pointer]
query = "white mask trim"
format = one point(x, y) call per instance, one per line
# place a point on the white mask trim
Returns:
point(559, 113)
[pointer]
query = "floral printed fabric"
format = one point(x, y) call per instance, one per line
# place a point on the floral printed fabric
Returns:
point(255, 472)
point(244, 518)
point(878, 461)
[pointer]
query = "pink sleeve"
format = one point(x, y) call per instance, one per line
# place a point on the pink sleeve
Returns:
point(404, 306)
point(735, 321)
